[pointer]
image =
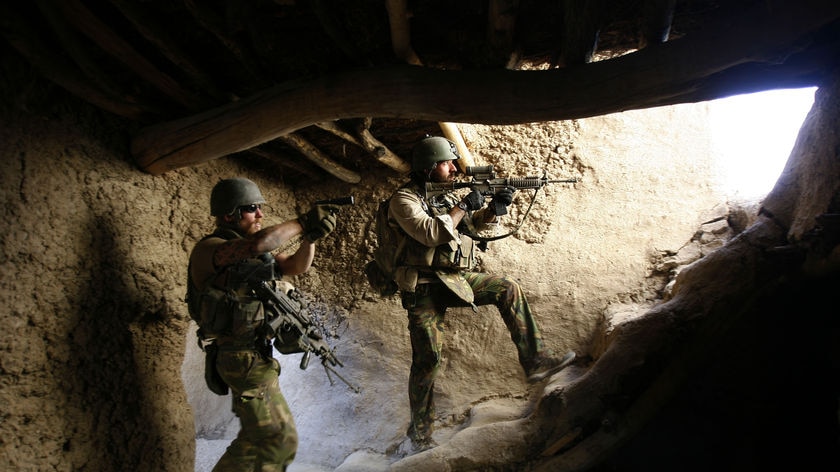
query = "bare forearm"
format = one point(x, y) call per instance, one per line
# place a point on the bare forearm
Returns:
point(299, 262)
point(269, 239)
point(266, 240)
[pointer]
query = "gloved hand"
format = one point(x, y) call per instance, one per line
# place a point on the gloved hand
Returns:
point(319, 221)
point(501, 200)
point(474, 200)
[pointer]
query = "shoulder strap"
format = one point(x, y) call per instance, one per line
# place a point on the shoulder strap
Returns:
point(224, 233)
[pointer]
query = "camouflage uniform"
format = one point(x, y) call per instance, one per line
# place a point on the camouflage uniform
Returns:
point(267, 440)
point(433, 276)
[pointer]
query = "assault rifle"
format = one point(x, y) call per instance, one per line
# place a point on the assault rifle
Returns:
point(289, 323)
point(485, 181)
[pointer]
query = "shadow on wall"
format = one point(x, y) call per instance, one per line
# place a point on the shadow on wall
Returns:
point(111, 393)
point(104, 391)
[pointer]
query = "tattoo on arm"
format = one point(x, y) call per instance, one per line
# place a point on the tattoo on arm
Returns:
point(234, 251)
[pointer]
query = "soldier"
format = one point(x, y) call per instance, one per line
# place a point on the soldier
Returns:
point(435, 273)
point(231, 320)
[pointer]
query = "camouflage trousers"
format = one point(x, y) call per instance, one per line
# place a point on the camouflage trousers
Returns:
point(267, 439)
point(426, 309)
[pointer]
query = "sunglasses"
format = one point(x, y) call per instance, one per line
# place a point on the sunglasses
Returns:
point(252, 208)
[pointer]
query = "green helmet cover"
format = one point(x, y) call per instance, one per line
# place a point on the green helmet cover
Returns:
point(229, 194)
point(432, 150)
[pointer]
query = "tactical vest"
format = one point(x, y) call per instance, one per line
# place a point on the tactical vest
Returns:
point(445, 262)
point(457, 255)
point(226, 309)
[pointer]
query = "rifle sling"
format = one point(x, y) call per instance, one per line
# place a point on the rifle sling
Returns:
point(485, 239)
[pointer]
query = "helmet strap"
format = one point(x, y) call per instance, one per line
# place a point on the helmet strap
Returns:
point(236, 217)
point(429, 172)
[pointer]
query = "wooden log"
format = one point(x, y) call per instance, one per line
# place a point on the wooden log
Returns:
point(325, 11)
point(452, 133)
point(671, 73)
point(319, 158)
point(581, 24)
point(271, 155)
point(332, 127)
point(169, 47)
point(70, 41)
point(380, 151)
point(501, 29)
point(211, 21)
point(657, 16)
point(401, 44)
point(56, 68)
point(401, 31)
point(86, 22)
point(369, 143)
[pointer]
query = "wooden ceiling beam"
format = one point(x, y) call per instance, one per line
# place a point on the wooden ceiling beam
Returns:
point(311, 152)
point(55, 67)
point(167, 46)
point(365, 140)
point(110, 42)
point(213, 23)
point(674, 72)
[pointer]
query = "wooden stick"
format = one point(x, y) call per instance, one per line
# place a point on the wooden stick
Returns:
point(273, 156)
point(56, 68)
point(86, 22)
point(169, 47)
point(319, 158)
point(401, 31)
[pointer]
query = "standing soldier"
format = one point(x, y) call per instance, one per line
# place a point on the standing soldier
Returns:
point(435, 273)
point(231, 318)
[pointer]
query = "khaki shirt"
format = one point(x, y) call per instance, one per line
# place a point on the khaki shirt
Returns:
point(435, 248)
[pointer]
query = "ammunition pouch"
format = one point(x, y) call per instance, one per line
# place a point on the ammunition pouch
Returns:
point(454, 255)
point(246, 317)
point(225, 314)
point(215, 311)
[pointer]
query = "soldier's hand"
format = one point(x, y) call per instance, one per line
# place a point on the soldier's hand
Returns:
point(319, 221)
point(473, 200)
point(501, 200)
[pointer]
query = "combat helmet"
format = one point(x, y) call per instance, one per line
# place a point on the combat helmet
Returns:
point(229, 194)
point(432, 150)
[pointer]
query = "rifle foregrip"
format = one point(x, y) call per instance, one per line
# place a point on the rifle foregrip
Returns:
point(525, 182)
